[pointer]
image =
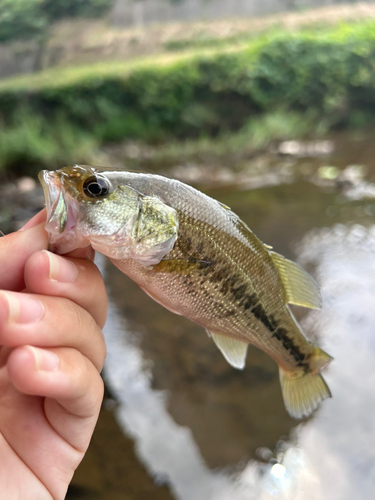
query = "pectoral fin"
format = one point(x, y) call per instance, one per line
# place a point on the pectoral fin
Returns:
point(234, 351)
point(300, 288)
point(155, 231)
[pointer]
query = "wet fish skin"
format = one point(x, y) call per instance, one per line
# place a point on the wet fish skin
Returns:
point(197, 258)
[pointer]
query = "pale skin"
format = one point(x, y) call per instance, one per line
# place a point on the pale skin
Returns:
point(52, 310)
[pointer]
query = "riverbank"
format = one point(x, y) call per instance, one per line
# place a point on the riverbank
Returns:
point(77, 42)
point(227, 98)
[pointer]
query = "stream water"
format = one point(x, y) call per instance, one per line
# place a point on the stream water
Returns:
point(179, 423)
point(211, 432)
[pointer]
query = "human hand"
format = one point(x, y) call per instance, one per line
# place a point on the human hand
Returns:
point(52, 350)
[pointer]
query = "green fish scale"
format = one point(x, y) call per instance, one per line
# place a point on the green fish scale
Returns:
point(220, 275)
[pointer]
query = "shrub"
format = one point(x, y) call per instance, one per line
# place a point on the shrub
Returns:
point(330, 77)
point(56, 9)
point(21, 19)
point(31, 144)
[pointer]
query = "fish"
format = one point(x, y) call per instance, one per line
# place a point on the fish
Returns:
point(197, 258)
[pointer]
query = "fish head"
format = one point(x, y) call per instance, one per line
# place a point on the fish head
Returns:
point(94, 206)
point(85, 206)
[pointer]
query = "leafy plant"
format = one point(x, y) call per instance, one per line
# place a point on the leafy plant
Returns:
point(24, 19)
point(31, 144)
point(56, 9)
point(21, 19)
point(260, 91)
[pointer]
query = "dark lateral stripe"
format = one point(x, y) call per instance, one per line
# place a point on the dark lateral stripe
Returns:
point(260, 314)
point(249, 301)
point(281, 334)
point(239, 292)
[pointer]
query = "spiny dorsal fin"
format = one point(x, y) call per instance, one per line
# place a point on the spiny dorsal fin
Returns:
point(234, 351)
point(300, 288)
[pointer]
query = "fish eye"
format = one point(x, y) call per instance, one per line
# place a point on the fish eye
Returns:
point(95, 187)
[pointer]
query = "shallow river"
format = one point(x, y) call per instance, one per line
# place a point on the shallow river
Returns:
point(193, 428)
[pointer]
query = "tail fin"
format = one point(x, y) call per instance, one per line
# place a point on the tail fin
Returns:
point(302, 392)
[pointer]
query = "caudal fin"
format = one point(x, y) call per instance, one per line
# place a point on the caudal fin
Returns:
point(302, 392)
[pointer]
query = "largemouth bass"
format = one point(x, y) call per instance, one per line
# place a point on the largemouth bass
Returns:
point(194, 256)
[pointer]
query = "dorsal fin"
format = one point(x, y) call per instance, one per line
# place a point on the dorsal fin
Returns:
point(234, 351)
point(300, 288)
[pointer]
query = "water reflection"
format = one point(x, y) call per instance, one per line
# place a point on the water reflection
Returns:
point(332, 455)
point(210, 432)
point(166, 448)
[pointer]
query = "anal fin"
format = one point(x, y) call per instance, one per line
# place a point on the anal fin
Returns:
point(233, 350)
point(300, 288)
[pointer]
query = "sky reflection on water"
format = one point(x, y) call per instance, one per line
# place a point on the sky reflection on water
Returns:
point(191, 433)
point(167, 449)
point(330, 456)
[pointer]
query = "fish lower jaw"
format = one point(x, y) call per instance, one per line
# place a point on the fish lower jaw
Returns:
point(66, 242)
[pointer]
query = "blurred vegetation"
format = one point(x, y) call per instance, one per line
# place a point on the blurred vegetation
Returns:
point(21, 19)
point(229, 148)
point(30, 143)
point(24, 19)
point(57, 9)
point(276, 86)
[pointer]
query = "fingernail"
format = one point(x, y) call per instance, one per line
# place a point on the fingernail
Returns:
point(61, 269)
point(46, 361)
point(22, 308)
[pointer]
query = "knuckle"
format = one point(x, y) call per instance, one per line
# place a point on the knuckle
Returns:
point(90, 387)
point(78, 318)
point(91, 341)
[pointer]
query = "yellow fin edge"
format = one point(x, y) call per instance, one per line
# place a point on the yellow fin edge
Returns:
point(233, 350)
point(302, 394)
point(300, 288)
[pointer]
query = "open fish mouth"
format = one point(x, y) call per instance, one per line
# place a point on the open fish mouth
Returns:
point(62, 213)
point(55, 202)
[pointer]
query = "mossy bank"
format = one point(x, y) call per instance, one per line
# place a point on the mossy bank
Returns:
point(322, 76)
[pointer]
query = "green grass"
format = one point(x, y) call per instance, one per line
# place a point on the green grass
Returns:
point(257, 133)
point(71, 76)
point(28, 145)
point(65, 77)
point(219, 101)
